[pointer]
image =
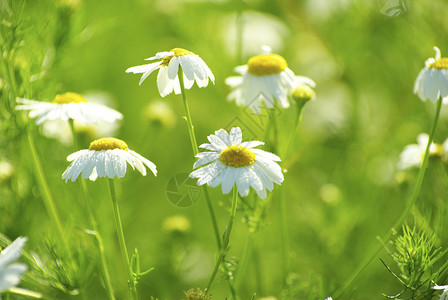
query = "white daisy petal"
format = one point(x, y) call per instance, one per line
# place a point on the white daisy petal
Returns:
point(160, 55)
point(267, 155)
point(208, 147)
point(173, 68)
point(10, 272)
point(188, 67)
point(224, 136)
point(217, 142)
point(236, 136)
point(412, 155)
point(228, 180)
point(205, 158)
point(251, 144)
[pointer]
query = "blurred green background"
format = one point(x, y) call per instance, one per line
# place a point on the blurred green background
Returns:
point(342, 186)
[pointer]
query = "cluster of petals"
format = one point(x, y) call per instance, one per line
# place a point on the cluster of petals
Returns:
point(83, 112)
point(412, 155)
point(105, 163)
point(253, 90)
point(193, 67)
point(260, 175)
point(432, 81)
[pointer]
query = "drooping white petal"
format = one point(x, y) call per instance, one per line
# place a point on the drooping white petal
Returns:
point(173, 67)
point(145, 161)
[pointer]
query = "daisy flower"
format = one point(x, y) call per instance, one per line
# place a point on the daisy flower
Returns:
point(106, 157)
point(412, 155)
point(68, 106)
point(432, 81)
point(193, 67)
point(444, 295)
point(231, 161)
point(10, 272)
point(265, 77)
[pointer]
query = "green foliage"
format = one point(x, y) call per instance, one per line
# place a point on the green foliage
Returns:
point(196, 294)
point(419, 263)
point(341, 189)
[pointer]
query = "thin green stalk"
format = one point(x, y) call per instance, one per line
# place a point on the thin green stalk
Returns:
point(195, 148)
point(244, 261)
point(225, 241)
point(212, 216)
point(124, 251)
point(258, 270)
point(94, 225)
point(284, 236)
point(190, 126)
point(292, 136)
point(410, 203)
point(47, 196)
point(24, 293)
point(275, 128)
point(100, 244)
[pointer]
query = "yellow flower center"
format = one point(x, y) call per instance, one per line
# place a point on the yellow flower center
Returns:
point(108, 143)
point(69, 97)
point(177, 52)
point(439, 64)
point(302, 93)
point(266, 64)
point(237, 156)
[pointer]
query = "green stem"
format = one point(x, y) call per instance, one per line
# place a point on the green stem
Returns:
point(212, 216)
point(225, 241)
point(410, 203)
point(258, 270)
point(275, 128)
point(292, 136)
point(47, 196)
point(94, 225)
point(124, 251)
point(100, 244)
point(244, 260)
point(190, 126)
point(195, 148)
point(284, 236)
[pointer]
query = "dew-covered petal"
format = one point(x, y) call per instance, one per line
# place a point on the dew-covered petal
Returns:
point(236, 136)
point(224, 137)
point(205, 158)
point(266, 155)
point(251, 144)
point(173, 67)
point(145, 161)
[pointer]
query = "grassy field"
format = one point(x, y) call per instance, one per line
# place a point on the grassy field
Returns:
point(322, 233)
